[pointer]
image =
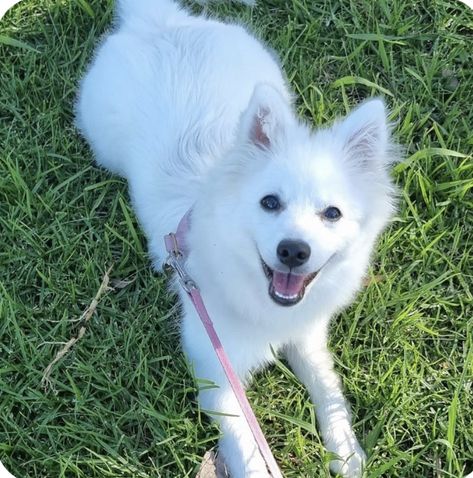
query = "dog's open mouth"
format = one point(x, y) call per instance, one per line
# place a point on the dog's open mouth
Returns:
point(287, 288)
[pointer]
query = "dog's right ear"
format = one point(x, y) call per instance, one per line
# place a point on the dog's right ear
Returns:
point(364, 134)
point(265, 121)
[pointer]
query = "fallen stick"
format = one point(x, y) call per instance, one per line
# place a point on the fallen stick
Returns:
point(84, 318)
point(212, 466)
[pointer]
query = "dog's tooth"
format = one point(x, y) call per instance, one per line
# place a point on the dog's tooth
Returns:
point(287, 297)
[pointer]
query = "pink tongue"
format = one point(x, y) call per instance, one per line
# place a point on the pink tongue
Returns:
point(288, 284)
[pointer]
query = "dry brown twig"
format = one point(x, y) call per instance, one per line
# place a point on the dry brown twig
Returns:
point(85, 317)
point(212, 466)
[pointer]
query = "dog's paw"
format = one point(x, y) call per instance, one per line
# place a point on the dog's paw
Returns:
point(350, 460)
point(251, 466)
point(255, 469)
point(258, 474)
point(249, 472)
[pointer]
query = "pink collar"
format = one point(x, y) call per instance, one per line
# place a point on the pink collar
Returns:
point(178, 244)
point(178, 251)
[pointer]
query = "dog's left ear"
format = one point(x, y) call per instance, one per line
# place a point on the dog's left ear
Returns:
point(265, 121)
point(364, 134)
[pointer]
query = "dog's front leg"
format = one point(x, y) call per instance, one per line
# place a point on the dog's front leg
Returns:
point(216, 398)
point(313, 364)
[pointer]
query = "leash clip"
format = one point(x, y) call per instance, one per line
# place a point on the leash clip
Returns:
point(175, 260)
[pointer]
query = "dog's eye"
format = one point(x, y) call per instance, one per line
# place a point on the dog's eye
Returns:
point(270, 203)
point(332, 213)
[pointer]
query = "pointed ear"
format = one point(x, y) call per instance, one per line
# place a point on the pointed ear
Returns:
point(364, 134)
point(265, 121)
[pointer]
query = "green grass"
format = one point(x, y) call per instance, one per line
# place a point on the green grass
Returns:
point(122, 403)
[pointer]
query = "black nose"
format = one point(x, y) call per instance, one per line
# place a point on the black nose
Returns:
point(293, 252)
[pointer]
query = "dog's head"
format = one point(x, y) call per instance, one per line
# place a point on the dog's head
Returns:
point(293, 203)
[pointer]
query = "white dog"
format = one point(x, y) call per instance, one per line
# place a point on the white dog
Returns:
point(196, 113)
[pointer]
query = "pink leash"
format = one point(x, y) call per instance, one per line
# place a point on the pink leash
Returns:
point(175, 246)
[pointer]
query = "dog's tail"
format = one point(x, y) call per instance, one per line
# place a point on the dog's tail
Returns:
point(151, 13)
point(154, 13)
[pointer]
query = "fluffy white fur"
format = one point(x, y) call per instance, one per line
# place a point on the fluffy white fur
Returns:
point(197, 113)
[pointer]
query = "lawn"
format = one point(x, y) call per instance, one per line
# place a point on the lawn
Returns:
point(121, 403)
